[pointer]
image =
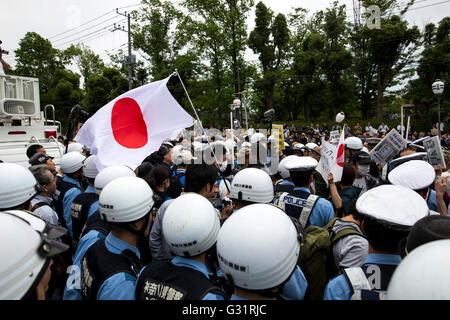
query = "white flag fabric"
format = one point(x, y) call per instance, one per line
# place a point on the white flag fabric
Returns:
point(332, 159)
point(133, 125)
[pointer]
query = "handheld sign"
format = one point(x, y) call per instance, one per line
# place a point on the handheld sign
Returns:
point(277, 132)
point(434, 151)
point(391, 145)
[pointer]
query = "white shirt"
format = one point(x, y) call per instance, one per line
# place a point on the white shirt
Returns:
point(383, 128)
point(45, 212)
point(2, 72)
point(361, 183)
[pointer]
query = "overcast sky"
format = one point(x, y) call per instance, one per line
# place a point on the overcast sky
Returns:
point(53, 18)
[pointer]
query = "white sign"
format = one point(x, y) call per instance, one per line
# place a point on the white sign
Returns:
point(332, 159)
point(388, 148)
point(434, 151)
point(334, 137)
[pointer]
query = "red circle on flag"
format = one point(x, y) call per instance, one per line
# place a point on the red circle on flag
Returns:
point(128, 125)
point(340, 156)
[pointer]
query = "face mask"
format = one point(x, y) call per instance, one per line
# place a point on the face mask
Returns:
point(363, 170)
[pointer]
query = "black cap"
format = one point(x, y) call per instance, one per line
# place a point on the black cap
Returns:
point(361, 157)
point(39, 158)
point(428, 229)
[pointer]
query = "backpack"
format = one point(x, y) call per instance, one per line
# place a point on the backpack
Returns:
point(316, 258)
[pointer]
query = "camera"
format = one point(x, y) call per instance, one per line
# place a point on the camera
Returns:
point(79, 114)
point(269, 116)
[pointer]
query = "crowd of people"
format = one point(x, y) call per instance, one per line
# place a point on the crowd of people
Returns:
point(204, 218)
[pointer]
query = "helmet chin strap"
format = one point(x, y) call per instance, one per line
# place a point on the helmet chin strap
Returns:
point(141, 232)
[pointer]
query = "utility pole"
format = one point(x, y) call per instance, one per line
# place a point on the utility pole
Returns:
point(131, 59)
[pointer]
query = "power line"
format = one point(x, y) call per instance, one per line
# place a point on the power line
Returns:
point(95, 19)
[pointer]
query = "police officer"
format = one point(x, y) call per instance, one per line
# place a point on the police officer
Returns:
point(254, 186)
point(388, 212)
point(422, 275)
point(69, 186)
point(250, 186)
point(95, 229)
point(352, 145)
point(25, 265)
point(110, 267)
point(419, 175)
point(300, 204)
point(85, 204)
point(258, 261)
point(284, 184)
point(190, 228)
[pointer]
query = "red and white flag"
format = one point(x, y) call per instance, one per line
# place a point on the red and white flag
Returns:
point(133, 125)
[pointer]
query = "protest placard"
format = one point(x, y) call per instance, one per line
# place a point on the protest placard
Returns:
point(277, 132)
point(388, 148)
point(434, 151)
point(332, 159)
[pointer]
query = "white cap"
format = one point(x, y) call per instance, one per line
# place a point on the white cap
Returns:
point(393, 204)
point(246, 145)
point(423, 274)
point(301, 164)
point(414, 174)
point(353, 143)
point(284, 173)
point(340, 117)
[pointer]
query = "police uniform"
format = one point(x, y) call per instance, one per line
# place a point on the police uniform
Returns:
point(109, 270)
point(300, 203)
point(394, 207)
point(83, 206)
point(180, 279)
point(95, 229)
point(69, 189)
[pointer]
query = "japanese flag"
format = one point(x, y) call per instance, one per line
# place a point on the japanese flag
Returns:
point(133, 125)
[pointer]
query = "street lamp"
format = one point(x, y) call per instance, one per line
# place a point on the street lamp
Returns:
point(438, 89)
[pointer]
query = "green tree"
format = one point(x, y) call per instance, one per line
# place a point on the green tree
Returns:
point(270, 40)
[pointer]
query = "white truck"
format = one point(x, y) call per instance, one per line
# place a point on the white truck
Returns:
point(22, 123)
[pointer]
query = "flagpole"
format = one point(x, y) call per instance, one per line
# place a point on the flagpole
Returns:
point(203, 130)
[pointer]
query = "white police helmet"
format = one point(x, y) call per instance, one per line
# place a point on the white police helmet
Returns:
point(257, 247)
point(190, 225)
point(71, 162)
point(414, 174)
point(75, 147)
point(125, 199)
point(109, 174)
point(23, 262)
point(252, 185)
point(89, 167)
point(422, 275)
point(17, 185)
